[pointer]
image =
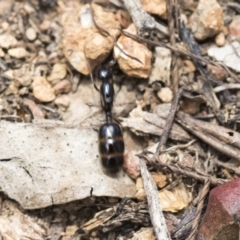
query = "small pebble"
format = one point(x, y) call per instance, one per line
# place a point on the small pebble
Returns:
point(207, 19)
point(7, 41)
point(2, 54)
point(18, 52)
point(31, 34)
point(132, 165)
point(156, 7)
point(165, 94)
point(23, 91)
point(45, 25)
point(63, 86)
point(62, 102)
point(28, 8)
point(42, 90)
point(220, 39)
point(4, 26)
point(59, 71)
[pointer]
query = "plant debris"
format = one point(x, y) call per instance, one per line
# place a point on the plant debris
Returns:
point(175, 74)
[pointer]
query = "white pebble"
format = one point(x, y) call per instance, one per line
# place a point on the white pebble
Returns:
point(31, 34)
point(165, 94)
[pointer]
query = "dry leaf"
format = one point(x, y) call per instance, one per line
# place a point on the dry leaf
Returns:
point(172, 200)
point(144, 234)
point(175, 199)
point(15, 225)
point(48, 164)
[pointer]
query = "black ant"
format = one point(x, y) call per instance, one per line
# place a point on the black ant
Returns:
point(110, 137)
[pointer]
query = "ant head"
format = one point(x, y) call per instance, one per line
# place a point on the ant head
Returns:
point(104, 74)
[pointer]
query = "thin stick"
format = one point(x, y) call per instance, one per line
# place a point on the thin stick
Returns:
point(217, 143)
point(142, 20)
point(170, 9)
point(169, 122)
point(154, 205)
point(176, 169)
point(201, 196)
point(224, 87)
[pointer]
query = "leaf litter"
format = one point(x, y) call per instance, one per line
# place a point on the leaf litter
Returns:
point(50, 172)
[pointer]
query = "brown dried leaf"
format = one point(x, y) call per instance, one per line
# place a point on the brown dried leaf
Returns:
point(175, 199)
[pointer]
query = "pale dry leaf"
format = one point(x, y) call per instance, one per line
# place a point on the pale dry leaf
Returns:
point(175, 199)
point(172, 200)
point(15, 225)
point(143, 234)
point(46, 164)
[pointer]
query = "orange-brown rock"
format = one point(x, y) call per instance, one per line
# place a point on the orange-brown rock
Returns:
point(132, 67)
point(83, 45)
point(157, 7)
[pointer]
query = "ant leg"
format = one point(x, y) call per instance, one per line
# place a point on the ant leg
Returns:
point(120, 84)
point(93, 82)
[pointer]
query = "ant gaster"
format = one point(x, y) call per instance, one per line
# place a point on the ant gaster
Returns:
point(111, 145)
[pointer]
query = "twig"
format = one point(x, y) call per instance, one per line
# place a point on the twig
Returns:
point(229, 166)
point(217, 143)
point(155, 208)
point(201, 196)
point(179, 146)
point(169, 122)
point(170, 11)
point(162, 28)
point(142, 20)
point(226, 86)
point(176, 169)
